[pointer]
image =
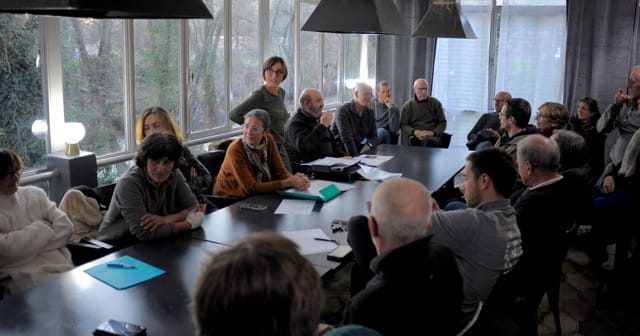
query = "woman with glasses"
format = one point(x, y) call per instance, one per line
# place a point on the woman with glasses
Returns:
point(157, 119)
point(552, 116)
point(253, 165)
point(269, 97)
point(33, 231)
point(584, 123)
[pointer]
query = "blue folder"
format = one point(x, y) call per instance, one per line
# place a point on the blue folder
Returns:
point(122, 278)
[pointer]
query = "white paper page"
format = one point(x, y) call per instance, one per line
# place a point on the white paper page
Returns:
point(330, 161)
point(295, 207)
point(375, 174)
point(307, 242)
point(374, 160)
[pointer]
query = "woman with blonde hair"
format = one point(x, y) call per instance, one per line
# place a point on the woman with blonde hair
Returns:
point(157, 119)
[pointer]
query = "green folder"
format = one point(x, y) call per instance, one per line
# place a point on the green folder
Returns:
point(324, 194)
point(122, 278)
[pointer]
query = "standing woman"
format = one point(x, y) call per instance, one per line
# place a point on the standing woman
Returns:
point(33, 231)
point(584, 123)
point(270, 97)
point(157, 119)
point(252, 164)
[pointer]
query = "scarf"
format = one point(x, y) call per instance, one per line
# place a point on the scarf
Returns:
point(254, 154)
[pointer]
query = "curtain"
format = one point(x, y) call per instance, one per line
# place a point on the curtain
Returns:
point(602, 48)
point(531, 50)
point(402, 59)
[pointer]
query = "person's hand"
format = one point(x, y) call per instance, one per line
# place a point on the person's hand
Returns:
point(322, 329)
point(196, 215)
point(152, 222)
point(608, 185)
point(365, 148)
point(326, 117)
point(621, 97)
point(494, 132)
point(298, 181)
point(193, 173)
point(388, 102)
point(422, 134)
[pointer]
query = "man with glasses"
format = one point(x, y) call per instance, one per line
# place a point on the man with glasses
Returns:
point(487, 128)
point(422, 119)
point(355, 123)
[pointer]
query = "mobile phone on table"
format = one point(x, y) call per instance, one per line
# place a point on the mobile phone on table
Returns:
point(253, 206)
point(119, 328)
point(340, 253)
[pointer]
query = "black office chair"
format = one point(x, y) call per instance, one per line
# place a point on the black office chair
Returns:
point(213, 161)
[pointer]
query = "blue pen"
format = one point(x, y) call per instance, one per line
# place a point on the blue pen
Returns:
point(120, 265)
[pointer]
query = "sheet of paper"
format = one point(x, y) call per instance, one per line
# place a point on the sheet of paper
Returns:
point(330, 161)
point(295, 207)
point(375, 174)
point(307, 242)
point(374, 160)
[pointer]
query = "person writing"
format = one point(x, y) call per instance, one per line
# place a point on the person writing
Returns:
point(253, 165)
point(270, 97)
point(33, 231)
point(152, 199)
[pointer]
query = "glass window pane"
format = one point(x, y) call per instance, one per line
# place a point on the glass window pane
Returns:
point(246, 62)
point(331, 68)
point(207, 83)
point(157, 65)
point(281, 36)
point(92, 57)
point(359, 62)
point(21, 89)
point(309, 56)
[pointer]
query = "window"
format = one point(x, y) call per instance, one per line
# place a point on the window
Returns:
point(463, 76)
point(246, 56)
point(281, 28)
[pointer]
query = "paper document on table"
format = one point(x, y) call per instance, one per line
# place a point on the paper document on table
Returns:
point(308, 243)
point(295, 207)
point(331, 161)
point(374, 160)
point(376, 174)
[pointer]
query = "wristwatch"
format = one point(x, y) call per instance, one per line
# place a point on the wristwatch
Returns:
point(370, 145)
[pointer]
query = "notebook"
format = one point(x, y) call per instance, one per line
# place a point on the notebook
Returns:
point(135, 272)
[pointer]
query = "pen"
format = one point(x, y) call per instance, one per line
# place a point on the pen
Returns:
point(120, 265)
point(325, 239)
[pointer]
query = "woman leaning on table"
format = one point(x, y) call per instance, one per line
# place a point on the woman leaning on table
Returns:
point(33, 231)
point(157, 119)
point(269, 97)
point(253, 165)
point(151, 200)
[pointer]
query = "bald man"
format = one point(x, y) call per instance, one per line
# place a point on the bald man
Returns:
point(487, 128)
point(307, 133)
point(416, 287)
point(422, 119)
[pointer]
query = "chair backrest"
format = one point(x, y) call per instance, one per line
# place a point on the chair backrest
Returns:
point(212, 161)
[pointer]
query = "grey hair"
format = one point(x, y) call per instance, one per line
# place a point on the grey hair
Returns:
point(261, 115)
point(541, 152)
point(304, 98)
point(382, 83)
point(360, 86)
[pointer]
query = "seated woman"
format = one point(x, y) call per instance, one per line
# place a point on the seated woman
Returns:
point(33, 231)
point(152, 199)
point(253, 165)
point(157, 119)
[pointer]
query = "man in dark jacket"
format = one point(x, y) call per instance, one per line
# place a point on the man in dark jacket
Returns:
point(307, 133)
point(416, 288)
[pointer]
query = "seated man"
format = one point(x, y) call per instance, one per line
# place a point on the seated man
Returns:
point(387, 114)
point(487, 128)
point(253, 164)
point(355, 123)
point(416, 288)
point(546, 211)
point(152, 199)
point(33, 231)
point(422, 119)
point(307, 133)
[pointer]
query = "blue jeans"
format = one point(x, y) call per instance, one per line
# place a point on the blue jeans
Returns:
point(384, 137)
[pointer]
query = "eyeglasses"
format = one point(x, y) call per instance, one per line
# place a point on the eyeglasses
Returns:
point(540, 115)
point(276, 72)
point(253, 129)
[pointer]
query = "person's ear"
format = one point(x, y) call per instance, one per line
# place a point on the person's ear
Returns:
point(373, 227)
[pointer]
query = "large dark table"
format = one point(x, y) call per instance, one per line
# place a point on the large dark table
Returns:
point(74, 303)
